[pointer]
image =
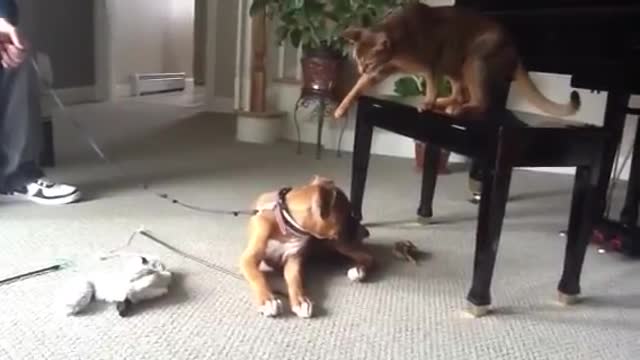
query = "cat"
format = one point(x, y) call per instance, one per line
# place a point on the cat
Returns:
point(469, 50)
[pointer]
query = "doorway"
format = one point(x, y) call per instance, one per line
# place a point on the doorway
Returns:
point(197, 37)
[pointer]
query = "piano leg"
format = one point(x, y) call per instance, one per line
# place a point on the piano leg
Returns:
point(360, 163)
point(581, 221)
point(495, 192)
point(614, 120)
point(629, 214)
point(429, 179)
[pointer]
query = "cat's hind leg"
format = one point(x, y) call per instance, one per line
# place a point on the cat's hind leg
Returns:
point(475, 77)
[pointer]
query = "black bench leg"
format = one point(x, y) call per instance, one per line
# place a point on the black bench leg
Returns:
point(579, 232)
point(429, 178)
point(360, 163)
point(629, 214)
point(495, 191)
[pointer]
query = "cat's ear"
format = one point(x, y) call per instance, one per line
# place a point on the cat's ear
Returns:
point(352, 34)
point(382, 41)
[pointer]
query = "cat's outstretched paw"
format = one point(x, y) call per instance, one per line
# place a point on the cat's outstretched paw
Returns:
point(426, 105)
point(340, 111)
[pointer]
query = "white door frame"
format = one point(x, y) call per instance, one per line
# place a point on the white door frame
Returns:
point(104, 77)
point(213, 102)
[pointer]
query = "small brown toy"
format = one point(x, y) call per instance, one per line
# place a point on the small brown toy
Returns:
point(407, 251)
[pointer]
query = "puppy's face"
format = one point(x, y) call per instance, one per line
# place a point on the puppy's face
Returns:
point(334, 214)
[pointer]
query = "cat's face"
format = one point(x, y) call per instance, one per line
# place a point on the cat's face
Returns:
point(371, 50)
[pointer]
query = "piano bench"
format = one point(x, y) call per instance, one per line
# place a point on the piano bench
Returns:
point(496, 144)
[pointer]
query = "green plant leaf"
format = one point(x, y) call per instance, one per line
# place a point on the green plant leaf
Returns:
point(407, 86)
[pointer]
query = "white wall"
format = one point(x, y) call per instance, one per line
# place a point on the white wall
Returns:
point(179, 40)
point(151, 36)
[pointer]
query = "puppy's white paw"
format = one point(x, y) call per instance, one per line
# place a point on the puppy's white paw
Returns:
point(304, 309)
point(356, 273)
point(271, 308)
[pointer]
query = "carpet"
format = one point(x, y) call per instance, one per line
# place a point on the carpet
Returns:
point(402, 312)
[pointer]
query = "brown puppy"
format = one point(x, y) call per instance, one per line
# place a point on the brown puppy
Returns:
point(468, 49)
point(281, 232)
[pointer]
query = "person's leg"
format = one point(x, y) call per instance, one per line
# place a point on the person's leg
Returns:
point(21, 139)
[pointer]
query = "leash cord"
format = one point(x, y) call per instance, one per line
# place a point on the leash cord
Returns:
point(145, 184)
point(200, 261)
point(221, 269)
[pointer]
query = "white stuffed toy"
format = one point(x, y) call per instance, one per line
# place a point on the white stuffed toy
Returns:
point(142, 279)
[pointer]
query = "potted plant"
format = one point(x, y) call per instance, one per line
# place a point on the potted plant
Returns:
point(316, 26)
point(415, 86)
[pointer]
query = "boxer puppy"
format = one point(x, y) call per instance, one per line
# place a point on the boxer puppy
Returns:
point(281, 234)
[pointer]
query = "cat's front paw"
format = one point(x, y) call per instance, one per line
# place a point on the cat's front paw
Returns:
point(426, 105)
point(340, 111)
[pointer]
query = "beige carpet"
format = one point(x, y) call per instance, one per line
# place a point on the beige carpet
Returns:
point(404, 312)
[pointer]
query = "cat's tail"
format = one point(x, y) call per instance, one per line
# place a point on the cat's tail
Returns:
point(531, 92)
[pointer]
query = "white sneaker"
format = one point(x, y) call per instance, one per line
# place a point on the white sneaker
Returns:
point(45, 192)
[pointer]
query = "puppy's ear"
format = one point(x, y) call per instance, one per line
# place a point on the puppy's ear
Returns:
point(353, 34)
point(320, 180)
point(322, 202)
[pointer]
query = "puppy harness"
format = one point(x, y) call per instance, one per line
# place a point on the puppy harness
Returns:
point(287, 224)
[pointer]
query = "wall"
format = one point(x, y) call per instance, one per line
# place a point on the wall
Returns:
point(64, 29)
point(151, 36)
point(179, 37)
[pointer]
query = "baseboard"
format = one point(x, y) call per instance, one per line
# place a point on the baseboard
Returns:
point(221, 105)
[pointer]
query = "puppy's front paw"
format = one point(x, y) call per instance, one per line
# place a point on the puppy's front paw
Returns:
point(356, 273)
point(303, 307)
point(271, 307)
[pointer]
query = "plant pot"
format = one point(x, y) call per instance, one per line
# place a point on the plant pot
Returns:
point(419, 158)
point(320, 70)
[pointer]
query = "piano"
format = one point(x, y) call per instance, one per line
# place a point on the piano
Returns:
point(597, 42)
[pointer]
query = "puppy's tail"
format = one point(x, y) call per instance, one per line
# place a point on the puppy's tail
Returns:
point(531, 92)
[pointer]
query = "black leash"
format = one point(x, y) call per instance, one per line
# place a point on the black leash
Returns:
point(145, 184)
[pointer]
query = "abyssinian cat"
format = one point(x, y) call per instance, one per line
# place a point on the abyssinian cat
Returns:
point(466, 48)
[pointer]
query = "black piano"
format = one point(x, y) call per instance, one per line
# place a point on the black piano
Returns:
point(598, 43)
